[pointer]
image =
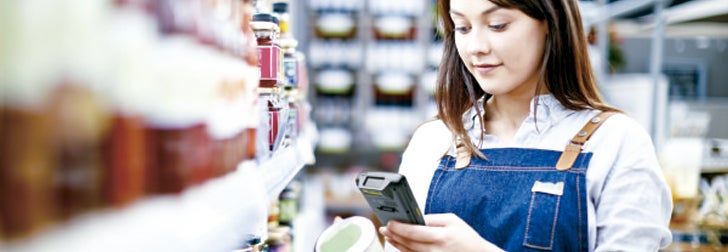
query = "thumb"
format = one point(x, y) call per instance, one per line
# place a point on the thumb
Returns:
point(439, 220)
point(337, 219)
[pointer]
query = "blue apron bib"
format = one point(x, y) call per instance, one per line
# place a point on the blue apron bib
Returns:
point(516, 199)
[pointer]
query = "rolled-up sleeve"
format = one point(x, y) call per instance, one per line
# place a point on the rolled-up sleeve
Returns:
point(633, 205)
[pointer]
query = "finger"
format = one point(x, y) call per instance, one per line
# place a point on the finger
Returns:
point(398, 242)
point(411, 233)
point(405, 245)
point(400, 245)
point(337, 219)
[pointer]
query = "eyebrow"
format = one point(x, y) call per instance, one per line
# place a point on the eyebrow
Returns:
point(485, 12)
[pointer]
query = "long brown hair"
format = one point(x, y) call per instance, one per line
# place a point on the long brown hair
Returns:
point(565, 70)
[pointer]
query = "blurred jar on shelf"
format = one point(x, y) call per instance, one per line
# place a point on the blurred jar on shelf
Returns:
point(52, 118)
point(681, 160)
point(394, 27)
point(80, 126)
point(27, 170)
point(340, 25)
point(335, 19)
point(279, 239)
point(394, 89)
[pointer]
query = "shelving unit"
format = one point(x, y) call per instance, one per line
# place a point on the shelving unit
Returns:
point(383, 60)
point(133, 125)
point(214, 216)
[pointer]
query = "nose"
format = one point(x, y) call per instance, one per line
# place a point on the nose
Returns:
point(477, 42)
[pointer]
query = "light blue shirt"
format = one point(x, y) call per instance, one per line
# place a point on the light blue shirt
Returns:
point(629, 202)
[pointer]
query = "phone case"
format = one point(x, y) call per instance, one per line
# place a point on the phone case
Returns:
point(389, 196)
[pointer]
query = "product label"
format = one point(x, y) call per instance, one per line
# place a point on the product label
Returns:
point(269, 62)
point(273, 131)
point(293, 121)
point(290, 68)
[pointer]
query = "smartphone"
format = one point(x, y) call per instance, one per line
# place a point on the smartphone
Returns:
point(390, 196)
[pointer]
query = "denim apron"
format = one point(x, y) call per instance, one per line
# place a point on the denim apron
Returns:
point(517, 199)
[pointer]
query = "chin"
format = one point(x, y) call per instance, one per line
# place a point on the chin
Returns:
point(491, 90)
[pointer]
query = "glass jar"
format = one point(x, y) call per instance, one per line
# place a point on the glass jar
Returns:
point(288, 208)
point(26, 172)
point(269, 51)
point(125, 175)
point(290, 62)
point(273, 108)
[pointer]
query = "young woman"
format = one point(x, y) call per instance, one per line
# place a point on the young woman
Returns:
point(507, 164)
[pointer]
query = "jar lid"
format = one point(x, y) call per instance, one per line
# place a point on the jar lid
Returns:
point(266, 17)
point(280, 7)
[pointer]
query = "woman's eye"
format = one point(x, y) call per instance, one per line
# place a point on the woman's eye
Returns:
point(462, 29)
point(498, 27)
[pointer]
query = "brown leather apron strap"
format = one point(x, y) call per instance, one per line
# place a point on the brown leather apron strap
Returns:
point(574, 147)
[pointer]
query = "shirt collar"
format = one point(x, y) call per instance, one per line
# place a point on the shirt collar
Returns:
point(545, 108)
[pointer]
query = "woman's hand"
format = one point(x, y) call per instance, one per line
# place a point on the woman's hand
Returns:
point(444, 232)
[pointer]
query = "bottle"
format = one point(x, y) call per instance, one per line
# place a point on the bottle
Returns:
point(279, 239)
point(26, 171)
point(290, 62)
point(293, 126)
point(269, 51)
point(280, 10)
point(80, 124)
point(288, 206)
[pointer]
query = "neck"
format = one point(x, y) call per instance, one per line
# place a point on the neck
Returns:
point(510, 110)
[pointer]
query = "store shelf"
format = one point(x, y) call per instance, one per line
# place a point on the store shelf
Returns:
point(280, 169)
point(311, 219)
point(215, 216)
point(354, 204)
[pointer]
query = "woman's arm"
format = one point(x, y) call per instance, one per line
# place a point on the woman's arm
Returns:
point(633, 205)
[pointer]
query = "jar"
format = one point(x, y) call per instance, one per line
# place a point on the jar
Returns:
point(290, 62)
point(287, 204)
point(280, 9)
point(394, 27)
point(249, 50)
point(271, 103)
point(80, 125)
point(125, 175)
point(26, 172)
point(279, 239)
point(394, 89)
point(180, 157)
point(269, 51)
point(293, 126)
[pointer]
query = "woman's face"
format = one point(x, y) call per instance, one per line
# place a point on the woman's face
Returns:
point(501, 47)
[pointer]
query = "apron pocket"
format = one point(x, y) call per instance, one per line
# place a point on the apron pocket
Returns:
point(542, 213)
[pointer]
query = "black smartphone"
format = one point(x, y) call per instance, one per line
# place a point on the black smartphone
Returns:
point(390, 196)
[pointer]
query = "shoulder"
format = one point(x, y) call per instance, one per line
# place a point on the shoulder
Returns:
point(622, 127)
point(619, 135)
point(430, 139)
point(431, 132)
point(621, 143)
point(433, 126)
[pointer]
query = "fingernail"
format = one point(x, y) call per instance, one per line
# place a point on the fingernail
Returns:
point(383, 230)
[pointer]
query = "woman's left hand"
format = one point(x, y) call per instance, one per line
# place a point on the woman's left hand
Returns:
point(443, 232)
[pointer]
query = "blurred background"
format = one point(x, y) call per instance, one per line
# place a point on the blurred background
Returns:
point(226, 125)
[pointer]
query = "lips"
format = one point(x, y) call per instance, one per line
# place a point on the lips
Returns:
point(485, 68)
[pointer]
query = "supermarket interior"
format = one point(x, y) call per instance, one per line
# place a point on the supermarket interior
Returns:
point(242, 125)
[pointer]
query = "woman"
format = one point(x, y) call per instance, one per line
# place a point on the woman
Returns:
point(506, 166)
